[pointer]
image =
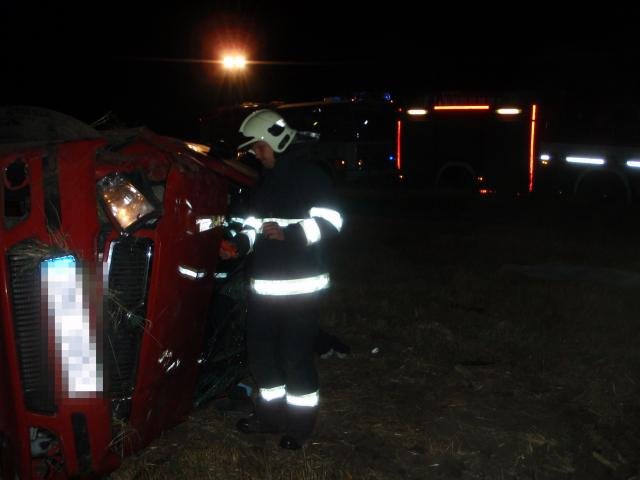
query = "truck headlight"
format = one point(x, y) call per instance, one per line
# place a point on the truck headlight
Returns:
point(125, 204)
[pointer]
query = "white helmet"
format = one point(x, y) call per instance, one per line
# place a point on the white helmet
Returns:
point(268, 126)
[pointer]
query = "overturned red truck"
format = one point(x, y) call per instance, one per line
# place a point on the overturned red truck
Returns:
point(109, 251)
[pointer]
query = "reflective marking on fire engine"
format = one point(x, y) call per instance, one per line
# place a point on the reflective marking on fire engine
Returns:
point(308, 400)
point(586, 160)
point(296, 286)
point(272, 393)
point(331, 216)
point(191, 273)
point(311, 230)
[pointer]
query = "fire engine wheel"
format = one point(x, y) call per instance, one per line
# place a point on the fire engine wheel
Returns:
point(455, 175)
point(602, 186)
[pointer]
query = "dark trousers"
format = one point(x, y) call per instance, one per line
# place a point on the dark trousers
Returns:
point(281, 331)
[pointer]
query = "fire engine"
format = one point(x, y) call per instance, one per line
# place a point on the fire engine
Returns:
point(590, 148)
point(474, 143)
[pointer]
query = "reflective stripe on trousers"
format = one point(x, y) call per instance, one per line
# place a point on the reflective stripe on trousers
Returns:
point(275, 393)
point(309, 400)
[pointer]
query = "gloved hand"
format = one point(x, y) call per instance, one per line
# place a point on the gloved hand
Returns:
point(228, 250)
point(272, 231)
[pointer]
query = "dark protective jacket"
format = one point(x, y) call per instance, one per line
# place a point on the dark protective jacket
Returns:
point(297, 194)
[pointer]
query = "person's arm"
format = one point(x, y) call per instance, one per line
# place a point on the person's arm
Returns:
point(325, 218)
point(241, 243)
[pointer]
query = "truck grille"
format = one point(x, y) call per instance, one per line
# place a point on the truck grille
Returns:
point(129, 270)
point(31, 332)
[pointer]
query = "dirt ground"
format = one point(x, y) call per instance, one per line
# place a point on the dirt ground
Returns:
point(464, 365)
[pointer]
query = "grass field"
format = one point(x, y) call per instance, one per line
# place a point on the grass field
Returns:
point(484, 369)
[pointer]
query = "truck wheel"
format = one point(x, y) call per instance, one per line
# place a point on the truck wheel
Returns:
point(602, 187)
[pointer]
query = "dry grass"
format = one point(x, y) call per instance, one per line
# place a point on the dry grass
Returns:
point(479, 374)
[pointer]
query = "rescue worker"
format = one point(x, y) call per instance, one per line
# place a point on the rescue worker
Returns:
point(293, 216)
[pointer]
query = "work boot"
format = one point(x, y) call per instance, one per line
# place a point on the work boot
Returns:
point(300, 424)
point(269, 417)
point(252, 424)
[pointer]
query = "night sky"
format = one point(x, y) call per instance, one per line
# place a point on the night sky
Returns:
point(144, 61)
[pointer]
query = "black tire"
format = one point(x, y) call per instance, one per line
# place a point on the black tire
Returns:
point(456, 179)
point(604, 187)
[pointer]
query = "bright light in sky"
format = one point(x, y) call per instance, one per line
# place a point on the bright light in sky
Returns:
point(234, 62)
